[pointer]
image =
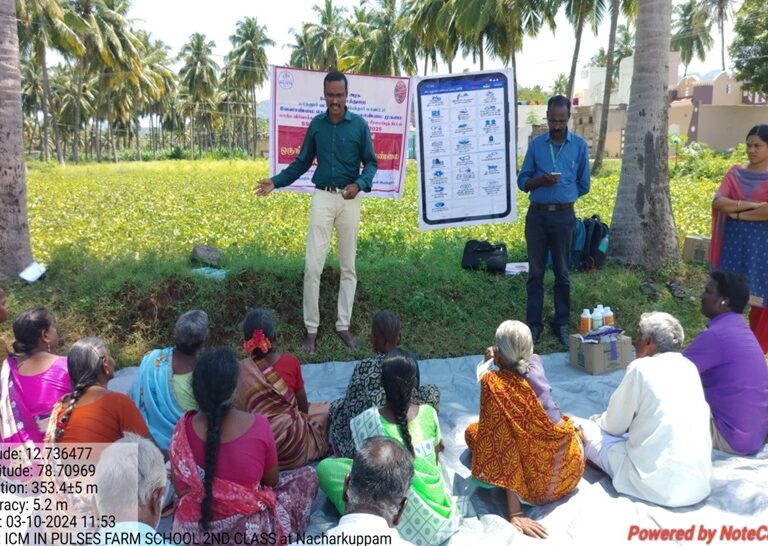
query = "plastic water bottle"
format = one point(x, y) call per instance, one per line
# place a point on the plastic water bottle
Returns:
point(608, 316)
point(603, 245)
point(597, 318)
point(585, 325)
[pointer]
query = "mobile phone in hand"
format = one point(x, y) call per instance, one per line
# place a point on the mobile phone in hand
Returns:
point(556, 175)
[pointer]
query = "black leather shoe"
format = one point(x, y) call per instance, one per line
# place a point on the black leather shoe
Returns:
point(535, 333)
point(563, 335)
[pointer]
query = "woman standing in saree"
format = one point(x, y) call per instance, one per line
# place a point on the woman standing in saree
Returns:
point(271, 384)
point(740, 227)
point(431, 515)
point(224, 466)
point(522, 442)
point(32, 379)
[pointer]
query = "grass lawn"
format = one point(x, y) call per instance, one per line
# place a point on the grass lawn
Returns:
point(116, 239)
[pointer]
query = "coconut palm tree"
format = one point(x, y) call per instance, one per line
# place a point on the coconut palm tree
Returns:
point(505, 23)
point(198, 80)
point(376, 45)
point(720, 11)
point(560, 85)
point(111, 48)
point(248, 60)
point(45, 23)
point(302, 55)
point(691, 28)
point(579, 14)
point(629, 8)
point(15, 251)
point(643, 227)
point(325, 37)
point(32, 97)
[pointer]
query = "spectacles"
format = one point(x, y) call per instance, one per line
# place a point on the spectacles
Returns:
point(337, 96)
point(557, 121)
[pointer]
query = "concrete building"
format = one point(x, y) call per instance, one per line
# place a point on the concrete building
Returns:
point(714, 110)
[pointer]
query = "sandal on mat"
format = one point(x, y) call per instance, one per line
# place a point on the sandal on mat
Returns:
point(675, 289)
point(647, 288)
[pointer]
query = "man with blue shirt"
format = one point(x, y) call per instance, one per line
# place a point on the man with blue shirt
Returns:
point(555, 172)
point(341, 142)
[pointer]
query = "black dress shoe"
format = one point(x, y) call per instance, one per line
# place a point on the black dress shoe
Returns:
point(563, 335)
point(535, 333)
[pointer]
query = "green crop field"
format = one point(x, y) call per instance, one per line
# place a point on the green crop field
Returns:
point(116, 239)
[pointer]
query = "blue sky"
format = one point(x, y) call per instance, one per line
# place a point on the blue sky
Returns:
point(172, 21)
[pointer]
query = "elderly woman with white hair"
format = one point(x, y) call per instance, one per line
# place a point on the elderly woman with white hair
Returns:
point(522, 442)
point(163, 387)
point(653, 440)
point(131, 480)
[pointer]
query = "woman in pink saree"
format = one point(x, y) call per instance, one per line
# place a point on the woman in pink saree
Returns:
point(32, 379)
point(224, 466)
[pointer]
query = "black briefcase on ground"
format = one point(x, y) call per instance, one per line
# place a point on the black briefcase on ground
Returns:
point(484, 255)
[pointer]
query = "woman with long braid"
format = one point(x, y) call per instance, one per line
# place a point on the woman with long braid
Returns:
point(91, 413)
point(224, 465)
point(431, 515)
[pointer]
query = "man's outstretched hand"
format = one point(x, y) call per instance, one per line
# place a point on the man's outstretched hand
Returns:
point(264, 187)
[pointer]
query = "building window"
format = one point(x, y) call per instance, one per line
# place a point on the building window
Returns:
point(590, 119)
point(728, 89)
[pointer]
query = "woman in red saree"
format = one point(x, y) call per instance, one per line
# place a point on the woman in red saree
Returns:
point(224, 467)
point(271, 384)
point(740, 227)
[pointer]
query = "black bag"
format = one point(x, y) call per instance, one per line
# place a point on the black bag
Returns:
point(593, 253)
point(484, 255)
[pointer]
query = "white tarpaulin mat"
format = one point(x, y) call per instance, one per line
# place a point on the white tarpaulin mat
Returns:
point(736, 512)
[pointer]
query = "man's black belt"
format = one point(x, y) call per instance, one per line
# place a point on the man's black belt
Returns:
point(552, 207)
point(331, 189)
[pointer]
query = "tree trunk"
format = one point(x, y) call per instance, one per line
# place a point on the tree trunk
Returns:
point(48, 111)
point(721, 24)
point(138, 140)
point(246, 133)
point(15, 251)
point(575, 59)
point(643, 227)
point(255, 122)
point(514, 97)
point(111, 130)
point(78, 96)
point(46, 94)
point(481, 52)
point(606, 106)
point(100, 92)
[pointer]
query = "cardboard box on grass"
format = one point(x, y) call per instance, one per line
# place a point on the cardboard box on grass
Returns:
point(696, 249)
point(600, 358)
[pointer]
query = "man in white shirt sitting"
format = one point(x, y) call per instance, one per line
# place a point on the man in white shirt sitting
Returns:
point(375, 491)
point(131, 482)
point(653, 440)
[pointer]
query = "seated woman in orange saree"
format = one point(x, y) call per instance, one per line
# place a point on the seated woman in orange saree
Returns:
point(522, 442)
point(271, 384)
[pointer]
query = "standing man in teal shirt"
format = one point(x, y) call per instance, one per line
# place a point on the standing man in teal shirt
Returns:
point(341, 142)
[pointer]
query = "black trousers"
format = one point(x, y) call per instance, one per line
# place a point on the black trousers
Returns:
point(548, 232)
